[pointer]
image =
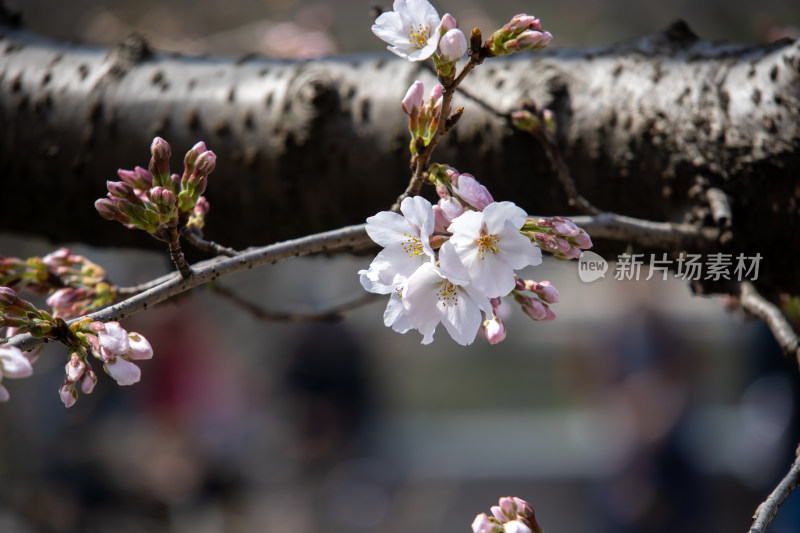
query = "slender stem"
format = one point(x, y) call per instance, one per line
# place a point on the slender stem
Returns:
point(422, 160)
point(667, 235)
point(334, 314)
point(176, 254)
point(781, 329)
point(195, 237)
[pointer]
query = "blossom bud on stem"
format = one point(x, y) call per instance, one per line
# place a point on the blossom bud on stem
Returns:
point(159, 162)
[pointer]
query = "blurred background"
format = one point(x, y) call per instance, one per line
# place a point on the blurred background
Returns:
point(639, 409)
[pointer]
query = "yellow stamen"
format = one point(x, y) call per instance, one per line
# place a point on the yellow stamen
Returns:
point(419, 37)
point(412, 245)
point(487, 243)
point(447, 294)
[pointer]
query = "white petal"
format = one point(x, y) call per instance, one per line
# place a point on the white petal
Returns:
point(516, 250)
point(387, 228)
point(493, 277)
point(466, 228)
point(451, 266)
point(419, 297)
point(13, 363)
point(419, 212)
point(140, 347)
point(114, 339)
point(395, 316)
point(462, 321)
point(123, 371)
point(496, 214)
point(389, 28)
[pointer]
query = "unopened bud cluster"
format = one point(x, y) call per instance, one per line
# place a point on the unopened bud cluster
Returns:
point(23, 316)
point(423, 115)
point(110, 343)
point(511, 515)
point(559, 236)
point(155, 200)
point(73, 284)
point(526, 120)
point(521, 33)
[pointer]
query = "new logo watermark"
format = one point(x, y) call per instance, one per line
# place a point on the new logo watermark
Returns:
point(716, 267)
point(591, 267)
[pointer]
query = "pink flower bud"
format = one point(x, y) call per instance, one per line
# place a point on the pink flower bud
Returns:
point(205, 164)
point(140, 348)
point(109, 211)
point(68, 394)
point(62, 298)
point(535, 309)
point(414, 99)
point(74, 368)
point(582, 240)
point(482, 524)
point(120, 189)
point(160, 149)
point(498, 513)
point(4, 396)
point(445, 211)
point(114, 339)
point(547, 292)
point(123, 371)
point(494, 329)
point(7, 297)
point(515, 526)
point(453, 45)
point(448, 22)
point(88, 381)
point(565, 227)
point(508, 507)
point(524, 22)
point(472, 192)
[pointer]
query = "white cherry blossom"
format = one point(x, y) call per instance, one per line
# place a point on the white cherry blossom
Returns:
point(490, 246)
point(406, 242)
point(412, 29)
point(435, 294)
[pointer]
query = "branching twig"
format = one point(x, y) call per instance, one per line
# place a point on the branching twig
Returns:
point(329, 241)
point(449, 88)
point(668, 235)
point(574, 198)
point(753, 302)
point(334, 314)
point(769, 508)
point(197, 240)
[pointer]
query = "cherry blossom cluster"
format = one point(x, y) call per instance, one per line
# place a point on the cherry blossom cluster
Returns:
point(155, 200)
point(452, 262)
point(511, 515)
point(111, 344)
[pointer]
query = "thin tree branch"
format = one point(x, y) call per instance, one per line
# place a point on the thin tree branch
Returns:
point(334, 314)
point(329, 241)
point(753, 302)
point(766, 512)
point(668, 235)
point(194, 237)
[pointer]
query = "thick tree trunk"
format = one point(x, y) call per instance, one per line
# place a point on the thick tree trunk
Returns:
point(307, 146)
